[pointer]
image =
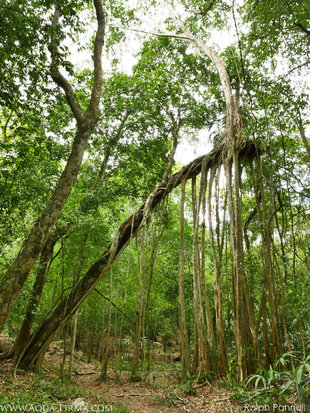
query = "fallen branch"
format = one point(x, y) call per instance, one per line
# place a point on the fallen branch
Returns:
point(85, 374)
point(222, 399)
point(132, 394)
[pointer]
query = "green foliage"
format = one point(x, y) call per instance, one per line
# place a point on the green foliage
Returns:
point(39, 391)
point(278, 26)
point(36, 390)
point(188, 386)
point(276, 382)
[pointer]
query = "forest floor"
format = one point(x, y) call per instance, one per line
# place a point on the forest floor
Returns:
point(157, 392)
point(163, 395)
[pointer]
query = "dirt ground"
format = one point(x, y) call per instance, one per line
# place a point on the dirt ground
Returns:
point(142, 397)
point(156, 394)
point(159, 392)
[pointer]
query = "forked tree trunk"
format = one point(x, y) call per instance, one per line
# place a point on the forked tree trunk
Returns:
point(86, 122)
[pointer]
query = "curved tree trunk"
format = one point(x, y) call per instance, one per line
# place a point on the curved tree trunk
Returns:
point(31, 358)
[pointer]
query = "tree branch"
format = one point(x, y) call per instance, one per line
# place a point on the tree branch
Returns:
point(111, 144)
point(59, 78)
point(61, 81)
point(172, 35)
point(115, 306)
point(303, 28)
point(216, 60)
point(99, 42)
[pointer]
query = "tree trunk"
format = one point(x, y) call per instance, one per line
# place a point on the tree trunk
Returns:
point(185, 352)
point(72, 345)
point(246, 310)
point(268, 267)
point(86, 122)
point(37, 289)
point(243, 340)
point(107, 336)
point(25, 331)
point(210, 327)
point(222, 349)
point(201, 347)
point(140, 305)
point(76, 275)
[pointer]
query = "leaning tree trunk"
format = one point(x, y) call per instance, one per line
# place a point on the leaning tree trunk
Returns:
point(86, 122)
point(32, 355)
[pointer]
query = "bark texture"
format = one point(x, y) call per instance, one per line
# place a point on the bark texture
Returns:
point(185, 352)
point(46, 254)
point(86, 122)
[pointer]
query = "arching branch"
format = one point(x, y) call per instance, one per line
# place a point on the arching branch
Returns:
point(32, 356)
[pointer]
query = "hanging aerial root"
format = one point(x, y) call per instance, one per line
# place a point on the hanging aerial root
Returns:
point(32, 355)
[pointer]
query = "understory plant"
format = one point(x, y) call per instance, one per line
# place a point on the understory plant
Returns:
point(277, 380)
